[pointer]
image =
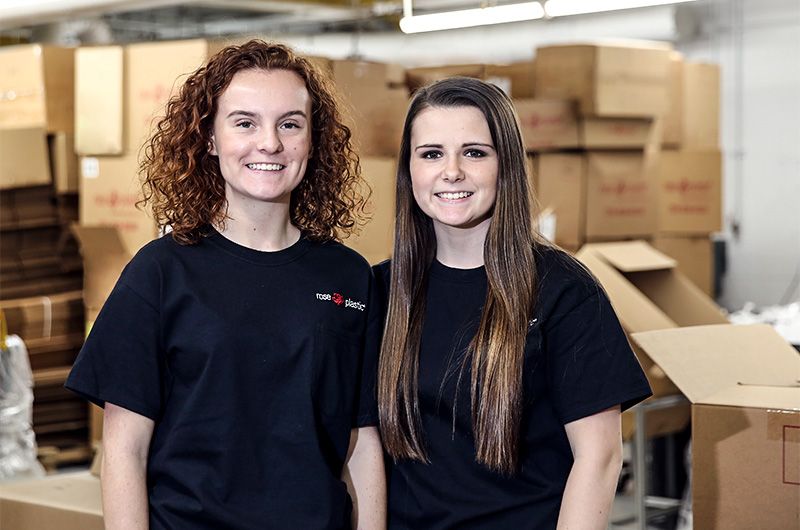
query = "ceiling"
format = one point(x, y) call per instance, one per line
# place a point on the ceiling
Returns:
point(123, 21)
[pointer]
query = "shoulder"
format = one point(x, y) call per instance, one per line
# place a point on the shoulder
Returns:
point(563, 278)
point(335, 250)
point(156, 252)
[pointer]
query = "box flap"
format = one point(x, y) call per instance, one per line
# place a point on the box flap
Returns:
point(104, 257)
point(98, 242)
point(633, 256)
point(79, 492)
point(635, 311)
point(780, 397)
point(705, 360)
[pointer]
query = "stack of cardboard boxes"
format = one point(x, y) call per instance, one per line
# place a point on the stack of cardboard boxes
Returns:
point(40, 267)
point(625, 143)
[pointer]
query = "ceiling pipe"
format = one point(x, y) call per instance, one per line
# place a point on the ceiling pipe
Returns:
point(19, 13)
point(22, 13)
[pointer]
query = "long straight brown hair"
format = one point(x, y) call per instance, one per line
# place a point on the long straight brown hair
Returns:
point(495, 354)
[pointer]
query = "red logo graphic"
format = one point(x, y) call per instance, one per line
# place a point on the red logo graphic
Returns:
point(337, 298)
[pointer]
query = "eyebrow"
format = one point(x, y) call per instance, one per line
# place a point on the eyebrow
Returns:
point(468, 144)
point(249, 114)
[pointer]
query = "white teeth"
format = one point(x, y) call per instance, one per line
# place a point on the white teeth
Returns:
point(265, 167)
point(451, 196)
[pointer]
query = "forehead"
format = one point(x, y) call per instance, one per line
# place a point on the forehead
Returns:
point(448, 121)
point(266, 85)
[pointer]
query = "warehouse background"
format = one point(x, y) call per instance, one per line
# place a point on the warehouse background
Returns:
point(727, 72)
point(756, 44)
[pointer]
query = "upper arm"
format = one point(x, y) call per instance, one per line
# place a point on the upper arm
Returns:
point(596, 436)
point(125, 431)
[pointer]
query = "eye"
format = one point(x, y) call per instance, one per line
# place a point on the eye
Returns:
point(290, 125)
point(474, 153)
point(245, 124)
point(431, 155)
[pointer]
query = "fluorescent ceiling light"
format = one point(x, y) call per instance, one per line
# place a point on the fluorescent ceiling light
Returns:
point(560, 8)
point(472, 17)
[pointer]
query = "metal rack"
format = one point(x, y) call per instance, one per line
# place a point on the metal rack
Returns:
point(647, 507)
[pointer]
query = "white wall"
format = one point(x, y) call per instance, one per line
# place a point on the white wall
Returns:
point(757, 45)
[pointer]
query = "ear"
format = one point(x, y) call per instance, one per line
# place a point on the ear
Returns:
point(212, 146)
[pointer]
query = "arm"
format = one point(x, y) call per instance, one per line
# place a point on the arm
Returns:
point(596, 443)
point(366, 479)
point(126, 443)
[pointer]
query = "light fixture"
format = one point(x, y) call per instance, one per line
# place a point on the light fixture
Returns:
point(411, 23)
point(560, 8)
point(469, 17)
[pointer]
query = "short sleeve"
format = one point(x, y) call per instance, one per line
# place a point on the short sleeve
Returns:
point(122, 361)
point(590, 364)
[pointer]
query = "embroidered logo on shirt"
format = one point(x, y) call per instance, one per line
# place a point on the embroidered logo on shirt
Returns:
point(338, 299)
point(532, 321)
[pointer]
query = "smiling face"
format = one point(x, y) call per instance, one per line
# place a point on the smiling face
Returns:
point(262, 136)
point(454, 167)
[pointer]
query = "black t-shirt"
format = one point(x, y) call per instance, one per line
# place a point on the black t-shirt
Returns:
point(250, 363)
point(577, 362)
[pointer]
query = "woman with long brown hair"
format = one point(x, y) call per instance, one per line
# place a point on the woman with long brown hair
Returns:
point(503, 367)
point(234, 357)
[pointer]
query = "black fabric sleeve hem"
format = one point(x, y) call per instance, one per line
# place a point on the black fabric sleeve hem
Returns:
point(101, 400)
point(625, 402)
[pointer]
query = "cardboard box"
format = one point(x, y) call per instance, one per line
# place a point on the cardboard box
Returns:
point(378, 105)
point(154, 71)
point(24, 158)
point(376, 240)
point(69, 501)
point(690, 192)
point(695, 257)
point(109, 191)
point(598, 195)
point(425, 75)
point(44, 317)
point(561, 188)
point(37, 84)
point(620, 133)
point(672, 120)
point(700, 98)
point(104, 256)
point(99, 100)
point(744, 385)
point(28, 206)
point(355, 73)
point(620, 193)
point(614, 80)
point(518, 80)
point(548, 124)
point(64, 162)
point(648, 293)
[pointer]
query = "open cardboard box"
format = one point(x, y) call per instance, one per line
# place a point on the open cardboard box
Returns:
point(69, 501)
point(744, 385)
point(649, 293)
point(104, 257)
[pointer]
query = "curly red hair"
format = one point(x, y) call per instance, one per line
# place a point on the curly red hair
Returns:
point(182, 182)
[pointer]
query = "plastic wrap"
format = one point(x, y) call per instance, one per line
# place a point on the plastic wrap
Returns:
point(17, 440)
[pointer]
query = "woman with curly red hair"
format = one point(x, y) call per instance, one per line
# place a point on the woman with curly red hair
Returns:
point(235, 357)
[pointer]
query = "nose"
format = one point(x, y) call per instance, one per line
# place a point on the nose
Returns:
point(269, 141)
point(452, 170)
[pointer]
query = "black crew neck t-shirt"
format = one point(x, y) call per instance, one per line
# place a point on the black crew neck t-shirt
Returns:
point(254, 366)
point(577, 362)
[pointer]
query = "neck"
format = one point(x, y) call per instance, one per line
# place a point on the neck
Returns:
point(268, 231)
point(461, 248)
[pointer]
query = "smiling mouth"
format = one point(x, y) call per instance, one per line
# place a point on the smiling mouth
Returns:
point(266, 167)
point(451, 196)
